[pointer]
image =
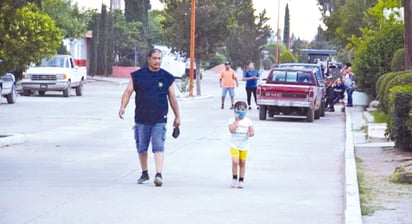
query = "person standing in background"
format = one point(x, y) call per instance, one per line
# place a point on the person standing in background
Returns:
point(251, 76)
point(347, 77)
point(228, 82)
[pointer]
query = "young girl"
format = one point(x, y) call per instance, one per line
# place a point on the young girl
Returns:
point(241, 128)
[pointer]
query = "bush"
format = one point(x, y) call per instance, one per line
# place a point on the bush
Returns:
point(287, 57)
point(400, 99)
point(380, 86)
point(398, 60)
point(400, 79)
point(373, 55)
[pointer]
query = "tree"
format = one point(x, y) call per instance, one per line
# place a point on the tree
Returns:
point(407, 4)
point(155, 27)
point(373, 54)
point(102, 49)
point(286, 28)
point(137, 11)
point(347, 21)
point(126, 38)
point(92, 68)
point(211, 28)
point(27, 35)
point(247, 34)
point(67, 17)
point(374, 49)
point(110, 44)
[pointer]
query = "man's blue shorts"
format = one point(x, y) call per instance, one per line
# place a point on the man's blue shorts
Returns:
point(145, 134)
point(231, 91)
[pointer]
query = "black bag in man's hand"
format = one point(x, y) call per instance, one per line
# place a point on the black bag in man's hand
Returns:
point(176, 132)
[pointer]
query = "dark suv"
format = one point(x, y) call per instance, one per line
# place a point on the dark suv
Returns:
point(317, 69)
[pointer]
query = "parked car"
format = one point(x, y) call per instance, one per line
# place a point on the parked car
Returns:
point(8, 87)
point(58, 73)
point(317, 69)
point(290, 92)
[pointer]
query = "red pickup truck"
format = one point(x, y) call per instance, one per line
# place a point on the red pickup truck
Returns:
point(289, 92)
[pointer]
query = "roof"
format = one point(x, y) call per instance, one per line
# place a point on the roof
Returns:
point(319, 51)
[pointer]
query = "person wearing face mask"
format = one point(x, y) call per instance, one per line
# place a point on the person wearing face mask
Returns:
point(241, 129)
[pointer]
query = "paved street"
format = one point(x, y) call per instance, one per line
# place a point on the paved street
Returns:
point(78, 164)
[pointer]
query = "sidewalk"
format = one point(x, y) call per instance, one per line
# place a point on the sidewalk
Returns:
point(358, 119)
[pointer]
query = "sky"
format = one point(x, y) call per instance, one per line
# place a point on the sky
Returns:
point(304, 14)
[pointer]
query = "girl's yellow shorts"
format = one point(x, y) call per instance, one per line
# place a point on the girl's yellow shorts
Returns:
point(241, 154)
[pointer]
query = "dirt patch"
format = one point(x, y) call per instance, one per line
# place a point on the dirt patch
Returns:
point(386, 202)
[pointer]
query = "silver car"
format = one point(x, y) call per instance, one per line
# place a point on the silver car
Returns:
point(8, 87)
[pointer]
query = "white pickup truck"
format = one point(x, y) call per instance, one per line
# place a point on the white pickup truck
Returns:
point(58, 73)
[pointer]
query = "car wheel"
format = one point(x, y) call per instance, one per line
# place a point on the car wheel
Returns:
point(26, 92)
point(317, 114)
point(66, 92)
point(322, 108)
point(42, 92)
point(12, 96)
point(79, 89)
point(262, 112)
point(310, 115)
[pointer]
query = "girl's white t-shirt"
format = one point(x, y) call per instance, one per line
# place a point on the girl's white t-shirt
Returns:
point(240, 139)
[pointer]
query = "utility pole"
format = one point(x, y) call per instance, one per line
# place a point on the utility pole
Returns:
point(277, 37)
point(192, 47)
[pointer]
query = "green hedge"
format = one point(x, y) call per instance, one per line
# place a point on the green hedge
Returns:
point(399, 79)
point(381, 82)
point(400, 98)
point(398, 60)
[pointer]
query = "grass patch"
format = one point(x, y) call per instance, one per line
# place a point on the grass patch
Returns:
point(379, 116)
point(365, 192)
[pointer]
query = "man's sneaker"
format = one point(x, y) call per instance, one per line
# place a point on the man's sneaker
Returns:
point(231, 107)
point(144, 179)
point(234, 183)
point(240, 184)
point(158, 181)
point(249, 107)
point(222, 106)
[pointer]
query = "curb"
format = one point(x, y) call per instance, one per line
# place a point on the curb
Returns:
point(185, 98)
point(352, 213)
point(11, 139)
point(119, 81)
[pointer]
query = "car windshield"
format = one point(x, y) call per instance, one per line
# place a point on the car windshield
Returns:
point(314, 68)
point(291, 77)
point(52, 62)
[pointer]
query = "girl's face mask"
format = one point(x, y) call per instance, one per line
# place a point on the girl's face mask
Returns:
point(240, 113)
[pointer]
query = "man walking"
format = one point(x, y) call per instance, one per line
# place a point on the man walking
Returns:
point(228, 80)
point(153, 89)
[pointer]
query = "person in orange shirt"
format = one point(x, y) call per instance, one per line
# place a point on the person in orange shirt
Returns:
point(228, 82)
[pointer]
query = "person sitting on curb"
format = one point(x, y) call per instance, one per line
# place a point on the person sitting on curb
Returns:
point(338, 93)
